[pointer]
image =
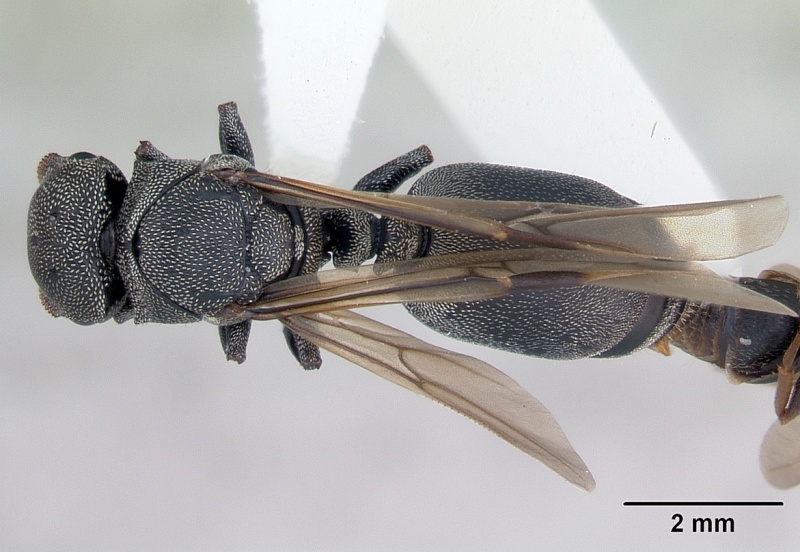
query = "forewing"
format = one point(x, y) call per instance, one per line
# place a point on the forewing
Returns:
point(687, 232)
point(690, 232)
point(780, 454)
point(465, 384)
point(488, 274)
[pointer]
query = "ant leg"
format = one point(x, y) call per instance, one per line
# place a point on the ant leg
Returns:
point(233, 139)
point(388, 177)
point(234, 339)
point(787, 394)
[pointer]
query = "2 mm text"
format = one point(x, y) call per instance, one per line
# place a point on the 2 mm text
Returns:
point(704, 525)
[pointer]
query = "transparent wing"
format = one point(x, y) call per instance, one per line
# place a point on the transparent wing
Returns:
point(467, 385)
point(691, 232)
point(780, 454)
point(487, 274)
point(687, 232)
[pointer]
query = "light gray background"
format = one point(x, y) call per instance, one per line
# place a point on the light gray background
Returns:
point(143, 438)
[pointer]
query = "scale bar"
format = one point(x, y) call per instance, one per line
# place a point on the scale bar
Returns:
point(703, 503)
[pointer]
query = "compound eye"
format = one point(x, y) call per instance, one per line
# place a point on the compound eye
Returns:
point(71, 241)
point(82, 156)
